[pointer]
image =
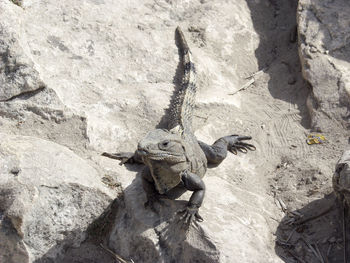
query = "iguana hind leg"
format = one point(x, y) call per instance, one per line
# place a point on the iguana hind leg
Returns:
point(217, 152)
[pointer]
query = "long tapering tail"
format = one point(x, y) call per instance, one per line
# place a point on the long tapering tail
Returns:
point(182, 107)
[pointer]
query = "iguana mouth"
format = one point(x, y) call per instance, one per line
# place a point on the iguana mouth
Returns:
point(159, 155)
point(142, 152)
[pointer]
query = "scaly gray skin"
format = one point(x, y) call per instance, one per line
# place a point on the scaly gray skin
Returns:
point(175, 160)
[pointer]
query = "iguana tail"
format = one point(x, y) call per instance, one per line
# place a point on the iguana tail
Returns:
point(181, 110)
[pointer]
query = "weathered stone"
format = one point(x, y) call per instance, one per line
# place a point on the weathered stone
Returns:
point(232, 220)
point(341, 178)
point(49, 202)
point(109, 75)
point(17, 72)
point(103, 63)
point(324, 34)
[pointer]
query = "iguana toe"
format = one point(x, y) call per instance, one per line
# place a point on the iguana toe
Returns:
point(248, 146)
point(233, 150)
point(236, 144)
point(190, 214)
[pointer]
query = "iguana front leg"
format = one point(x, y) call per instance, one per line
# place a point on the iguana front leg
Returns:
point(217, 152)
point(125, 157)
point(193, 182)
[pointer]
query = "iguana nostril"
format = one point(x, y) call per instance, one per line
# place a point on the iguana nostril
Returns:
point(142, 148)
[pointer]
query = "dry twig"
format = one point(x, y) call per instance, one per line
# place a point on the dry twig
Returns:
point(319, 253)
point(117, 257)
point(295, 256)
point(246, 85)
point(329, 249)
point(291, 234)
point(313, 250)
point(256, 73)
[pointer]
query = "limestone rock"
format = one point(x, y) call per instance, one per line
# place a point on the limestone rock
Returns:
point(48, 198)
point(17, 72)
point(234, 227)
point(341, 178)
point(107, 65)
point(109, 75)
point(324, 32)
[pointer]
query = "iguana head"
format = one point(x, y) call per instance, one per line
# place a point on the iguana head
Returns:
point(162, 145)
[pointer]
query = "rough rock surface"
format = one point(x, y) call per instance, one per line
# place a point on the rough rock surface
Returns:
point(324, 36)
point(48, 198)
point(341, 178)
point(234, 220)
point(18, 74)
point(85, 77)
point(304, 185)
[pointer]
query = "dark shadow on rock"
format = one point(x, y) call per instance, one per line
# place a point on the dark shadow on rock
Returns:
point(90, 250)
point(322, 235)
point(12, 247)
point(97, 235)
point(175, 242)
point(332, 20)
point(342, 52)
point(277, 53)
point(127, 219)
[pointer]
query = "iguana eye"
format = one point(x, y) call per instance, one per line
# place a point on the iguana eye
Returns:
point(165, 144)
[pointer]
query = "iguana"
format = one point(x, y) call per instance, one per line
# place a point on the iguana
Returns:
point(175, 160)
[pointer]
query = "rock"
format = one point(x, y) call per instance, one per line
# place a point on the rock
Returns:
point(108, 76)
point(27, 104)
point(18, 74)
point(323, 28)
point(49, 202)
point(232, 220)
point(112, 74)
point(44, 116)
point(341, 178)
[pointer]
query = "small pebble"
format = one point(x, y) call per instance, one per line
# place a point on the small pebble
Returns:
point(313, 49)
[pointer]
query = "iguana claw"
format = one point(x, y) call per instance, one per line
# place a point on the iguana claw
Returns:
point(236, 144)
point(190, 213)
